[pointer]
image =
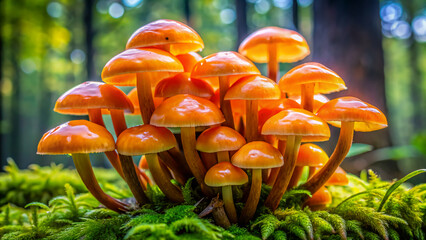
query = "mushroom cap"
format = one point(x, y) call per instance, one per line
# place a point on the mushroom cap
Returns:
point(282, 103)
point(179, 37)
point(350, 109)
point(121, 70)
point(319, 100)
point(77, 136)
point(145, 139)
point(253, 88)
point(224, 64)
point(143, 164)
point(321, 197)
point(297, 122)
point(92, 95)
point(225, 174)
point(217, 139)
point(186, 111)
point(257, 155)
point(291, 46)
point(182, 83)
point(311, 155)
point(133, 96)
point(326, 81)
point(338, 178)
point(238, 106)
point(189, 60)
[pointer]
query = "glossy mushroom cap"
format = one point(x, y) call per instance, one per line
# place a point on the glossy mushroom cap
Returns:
point(92, 95)
point(133, 96)
point(182, 83)
point(321, 197)
point(326, 81)
point(268, 108)
point(311, 155)
point(338, 178)
point(177, 36)
point(225, 174)
point(319, 100)
point(186, 111)
point(121, 69)
point(218, 139)
point(257, 155)
point(189, 60)
point(365, 116)
point(78, 136)
point(291, 46)
point(297, 122)
point(145, 139)
point(253, 88)
point(143, 164)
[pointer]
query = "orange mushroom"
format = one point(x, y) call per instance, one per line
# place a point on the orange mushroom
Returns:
point(226, 175)
point(133, 96)
point(308, 79)
point(350, 114)
point(79, 138)
point(293, 125)
point(273, 45)
point(238, 110)
point(319, 100)
point(182, 83)
point(256, 156)
point(319, 200)
point(189, 60)
point(223, 65)
point(252, 89)
point(339, 178)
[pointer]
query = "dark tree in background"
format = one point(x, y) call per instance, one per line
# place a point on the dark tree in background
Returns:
point(88, 23)
point(242, 27)
point(2, 120)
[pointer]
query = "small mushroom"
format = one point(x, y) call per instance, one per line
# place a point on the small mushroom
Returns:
point(319, 200)
point(339, 178)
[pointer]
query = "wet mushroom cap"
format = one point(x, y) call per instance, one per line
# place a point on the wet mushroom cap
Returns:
point(297, 122)
point(225, 174)
point(133, 96)
point(291, 46)
point(189, 60)
point(92, 95)
point(253, 88)
point(269, 108)
point(257, 155)
point(77, 136)
point(182, 83)
point(145, 139)
point(321, 197)
point(218, 139)
point(326, 81)
point(186, 111)
point(311, 155)
point(365, 116)
point(121, 70)
point(339, 178)
point(179, 37)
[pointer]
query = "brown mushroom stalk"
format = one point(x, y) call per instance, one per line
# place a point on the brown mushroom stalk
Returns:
point(311, 172)
point(252, 120)
point(273, 65)
point(132, 180)
point(223, 156)
point(178, 172)
point(209, 159)
point(253, 198)
point(146, 101)
point(228, 200)
point(297, 174)
point(274, 171)
point(225, 105)
point(118, 121)
point(307, 99)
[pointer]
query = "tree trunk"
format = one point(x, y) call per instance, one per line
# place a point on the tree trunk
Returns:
point(187, 11)
point(2, 121)
point(88, 23)
point(242, 27)
point(348, 39)
point(295, 13)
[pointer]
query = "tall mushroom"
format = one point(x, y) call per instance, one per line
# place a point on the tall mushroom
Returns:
point(350, 114)
point(226, 175)
point(187, 112)
point(293, 125)
point(273, 45)
point(224, 65)
point(79, 138)
point(256, 156)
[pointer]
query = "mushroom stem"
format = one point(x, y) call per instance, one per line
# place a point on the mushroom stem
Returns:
point(146, 102)
point(297, 173)
point(273, 65)
point(163, 180)
point(342, 148)
point(143, 178)
point(180, 158)
point(253, 198)
point(194, 160)
point(311, 172)
point(132, 180)
point(118, 121)
point(209, 159)
point(307, 97)
point(223, 156)
point(274, 171)
point(228, 200)
point(177, 170)
point(252, 120)
point(225, 105)
point(95, 116)
point(84, 169)
point(283, 178)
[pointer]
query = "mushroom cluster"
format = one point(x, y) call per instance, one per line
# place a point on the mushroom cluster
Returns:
point(216, 119)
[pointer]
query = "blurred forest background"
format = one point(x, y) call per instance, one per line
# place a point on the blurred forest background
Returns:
point(378, 47)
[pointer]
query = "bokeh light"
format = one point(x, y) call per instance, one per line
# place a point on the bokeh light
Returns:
point(77, 56)
point(131, 3)
point(116, 10)
point(227, 16)
point(54, 9)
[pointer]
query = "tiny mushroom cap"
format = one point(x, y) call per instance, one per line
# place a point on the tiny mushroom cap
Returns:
point(253, 88)
point(77, 136)
point(291, 46)
point(92, 95)
point(225, 174)
point(319, 100)
point(182, 83)
point(365, 116)
point(145, 139)
point(311, 155)
point(174, 35)
point(338, 178)
point(133, 96)
point(186, 111)
point(189, 60)
point(257, 155)
point(326, 81)
point(321, 197)
point(218, 139)
point(297, 122)
point(121, 70)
